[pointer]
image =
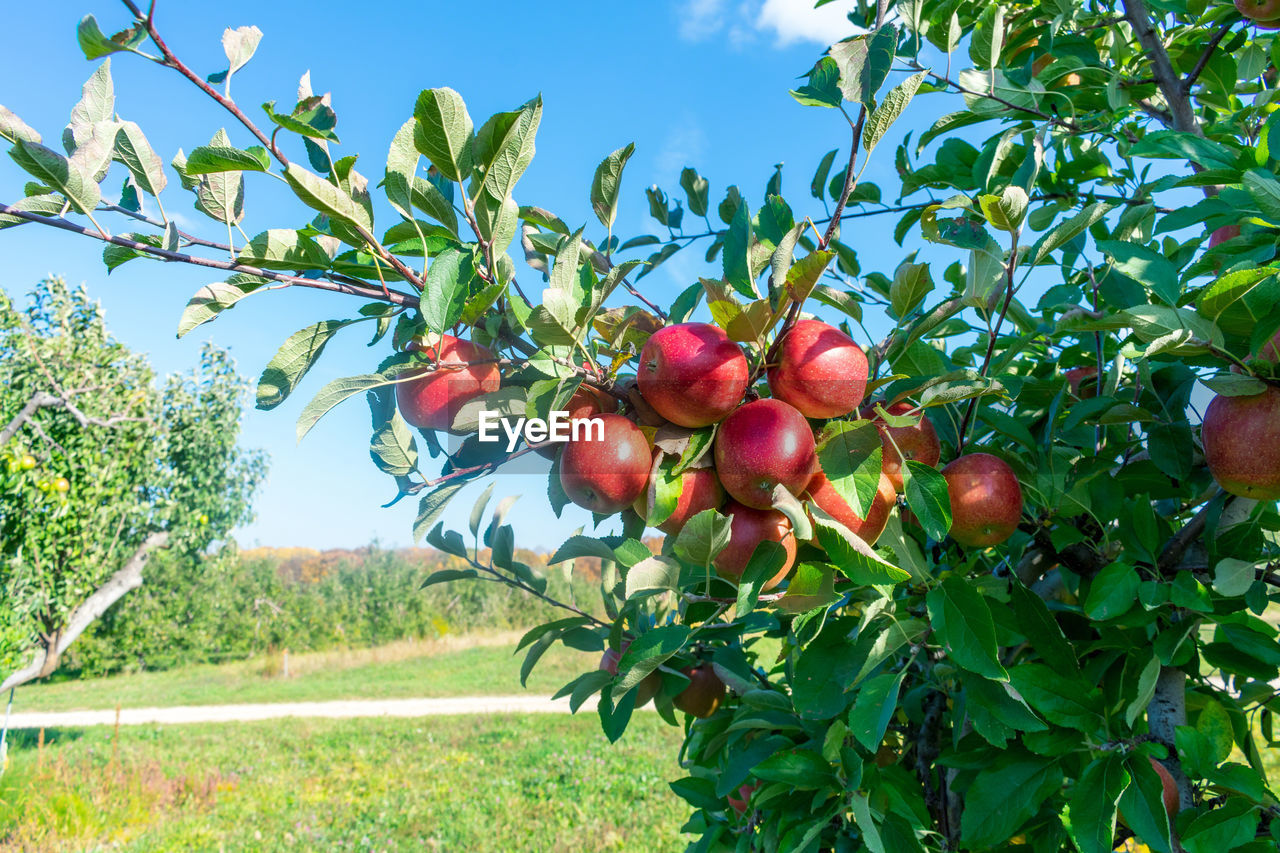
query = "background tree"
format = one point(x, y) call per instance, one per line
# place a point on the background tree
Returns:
point(101, 468)
point(1059, 629)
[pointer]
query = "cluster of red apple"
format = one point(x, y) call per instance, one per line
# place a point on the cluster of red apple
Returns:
point(694, 376)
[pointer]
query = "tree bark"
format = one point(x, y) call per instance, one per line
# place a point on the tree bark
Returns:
point(127, 579)
point(39, 400)
point(1167, 711)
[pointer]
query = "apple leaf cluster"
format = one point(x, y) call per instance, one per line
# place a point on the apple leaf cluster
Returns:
point(1057, 640)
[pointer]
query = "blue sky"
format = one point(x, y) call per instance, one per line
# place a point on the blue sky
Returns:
point(691, 82)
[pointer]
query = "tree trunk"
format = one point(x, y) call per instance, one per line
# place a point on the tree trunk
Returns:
point(128, 578)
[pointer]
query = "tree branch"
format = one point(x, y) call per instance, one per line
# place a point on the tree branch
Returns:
point(1167, 711)
point(395, 297)
point(86, 613)
point(172, 61)
point(1204, 57)
point(1182, 114)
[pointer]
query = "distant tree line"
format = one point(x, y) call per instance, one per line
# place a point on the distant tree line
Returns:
point(234, 604)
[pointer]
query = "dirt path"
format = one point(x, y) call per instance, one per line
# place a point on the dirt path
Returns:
point(340, 709)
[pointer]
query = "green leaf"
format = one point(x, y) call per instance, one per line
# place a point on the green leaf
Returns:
point(95, 43)
point(962, 620)
point(874, 708)
point(850, 456)
point(448, 576)
point(1265, 189)
point(649, 651)
point(210, 159)
point(852, 555)
point(1238, 300)
point(318, 194)
point(392, 447)
point(427, 198)
point(818, 187)
point(220, 196)
point(432, 506)
point(1069, 702)
point(1146, 267)
point(823, 88)
point(143, 163)
point(292, 361)
point(445, 290)
point(504, 149)
point(653, 573)
point(1142, 803)
point(1007, 210)
point(332, 394)
point(282, 249)
point(212, 299)
point(800, 769)
point(1093, 804)
point(911, 284)
point(696, 190)
point(737, 243)
point(1067, 231)
point(312, 118)
point(1232, 577)
point(997, 710)
point(1183, 145)
point(765, 562)
point(703, 537)
point(1005, 795)
point(607, 182)
point(1038, 625)
point(894, 104)
point(53, 170)
point(13, 128)
point(443, 132)
point(239, 45)
point(926, 491)
point(864, 63)
point(1114, 591)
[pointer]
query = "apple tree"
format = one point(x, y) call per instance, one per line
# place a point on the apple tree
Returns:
point(994, 577)
point(99, 468)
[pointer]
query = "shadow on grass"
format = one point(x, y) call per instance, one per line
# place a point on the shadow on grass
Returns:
point(29, 739)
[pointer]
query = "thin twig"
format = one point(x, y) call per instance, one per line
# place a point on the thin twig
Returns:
point(395, 297)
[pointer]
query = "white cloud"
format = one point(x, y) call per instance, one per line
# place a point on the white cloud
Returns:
point(741, 23)
point(797, 20)
point(700, 19)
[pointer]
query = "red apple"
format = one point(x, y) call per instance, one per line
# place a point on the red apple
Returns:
point(700, 490)
point(1223, 234)
point(1078, 378)
point(822, 493)
point(692, 374)
point(608, 474)
point(819, 370)
point(704, 692)
point(739, 803)
point(919, 443)
point(761, 445)
point(986, 500)
point(748, 528)
point(465, 371)
point(649, 685)
point(1241, 437)
point(586, 402)
point(1262, 11)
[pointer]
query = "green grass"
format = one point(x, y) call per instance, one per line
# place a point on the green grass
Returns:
point(403, 670)
point(500, 783)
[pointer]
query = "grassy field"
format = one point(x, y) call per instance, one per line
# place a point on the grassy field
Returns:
point(470, 665)
point(535, 783)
